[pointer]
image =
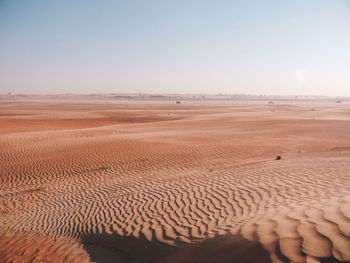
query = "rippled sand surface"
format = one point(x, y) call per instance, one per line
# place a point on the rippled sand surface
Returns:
point(107, 182)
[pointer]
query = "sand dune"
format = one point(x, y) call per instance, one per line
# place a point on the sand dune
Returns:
point(27, 247)
point(174, 183)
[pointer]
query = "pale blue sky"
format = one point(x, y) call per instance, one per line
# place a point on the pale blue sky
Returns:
point(280, 47)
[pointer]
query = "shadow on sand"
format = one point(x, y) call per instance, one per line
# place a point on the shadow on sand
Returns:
point(228, 248)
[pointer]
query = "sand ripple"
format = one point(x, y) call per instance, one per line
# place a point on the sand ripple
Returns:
point(145, 184)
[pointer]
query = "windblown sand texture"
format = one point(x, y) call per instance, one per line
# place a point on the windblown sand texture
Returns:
point(112, 182)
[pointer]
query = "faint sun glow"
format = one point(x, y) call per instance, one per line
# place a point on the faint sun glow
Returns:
point(302, 76)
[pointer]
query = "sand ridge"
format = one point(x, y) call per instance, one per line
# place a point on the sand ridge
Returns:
point(162, 188)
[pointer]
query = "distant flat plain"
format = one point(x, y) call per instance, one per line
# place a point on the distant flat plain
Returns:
point(174, 178)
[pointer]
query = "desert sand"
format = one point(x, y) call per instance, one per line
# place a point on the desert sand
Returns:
point(142, 181)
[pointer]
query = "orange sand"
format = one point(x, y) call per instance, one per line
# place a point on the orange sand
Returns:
point(174, 183)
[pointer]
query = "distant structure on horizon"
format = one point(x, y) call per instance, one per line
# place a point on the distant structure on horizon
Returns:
point(12, 96)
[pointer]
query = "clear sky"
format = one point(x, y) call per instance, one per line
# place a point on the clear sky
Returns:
point(282, 47)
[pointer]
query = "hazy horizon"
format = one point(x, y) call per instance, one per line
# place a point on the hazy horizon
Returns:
point(202, 47)
point(298, 96)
